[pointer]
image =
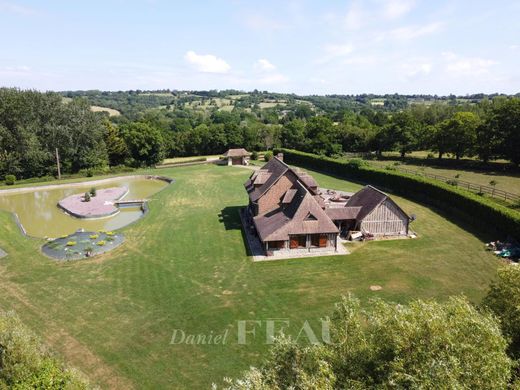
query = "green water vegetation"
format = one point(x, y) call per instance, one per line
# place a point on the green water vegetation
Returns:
point(71, 243)
point(94, 236)
point(185, 266)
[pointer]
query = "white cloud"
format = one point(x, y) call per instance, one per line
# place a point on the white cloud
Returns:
point(355, 17)
point(264, 65)
point(415, 68)
point(514, 47)
point(207, 63)
point(393, 9)
point(334, 51)
point(472, 66)
point(362, 60)
point(410, 32)
point(12, 7)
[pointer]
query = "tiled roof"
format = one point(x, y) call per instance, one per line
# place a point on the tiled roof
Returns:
point(275, 168)
point(292, 218)
point(237, 153)
point(368, 198)
point(342, 213)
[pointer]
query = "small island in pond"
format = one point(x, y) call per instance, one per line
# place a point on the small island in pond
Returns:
point(103, 204)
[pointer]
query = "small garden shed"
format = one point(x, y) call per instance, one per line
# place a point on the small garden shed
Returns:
point(237, 157)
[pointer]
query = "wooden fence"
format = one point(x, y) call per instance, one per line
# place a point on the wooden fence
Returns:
point(479, 189)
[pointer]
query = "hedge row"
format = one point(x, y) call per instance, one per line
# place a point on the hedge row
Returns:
point(481, 212)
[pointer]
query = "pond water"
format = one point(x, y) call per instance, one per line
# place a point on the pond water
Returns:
point(40, 216)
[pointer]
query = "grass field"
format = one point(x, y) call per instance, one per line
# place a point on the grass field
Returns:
point(184, 266)
point(505, 181)
point(110, 111)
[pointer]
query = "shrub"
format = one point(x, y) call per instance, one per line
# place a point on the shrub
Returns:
point(101, 243)
point(419, 345)
point(456, 201)
point(71, 243)
point(390, 168)
point(430, 155)
point(452, 182)
point(254, 155)
point(356, 163)
point(89, 173)
point(27, 364)
point(268, 155)
point(86, 197)
point(10, 179)
point(94, 237)
point(93, 192)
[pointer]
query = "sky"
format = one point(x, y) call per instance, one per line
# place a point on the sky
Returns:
point(296, 46)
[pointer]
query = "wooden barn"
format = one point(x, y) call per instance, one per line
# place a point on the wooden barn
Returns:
point(373, 212)
point(236, 157)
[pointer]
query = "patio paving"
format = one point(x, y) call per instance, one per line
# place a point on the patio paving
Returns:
point(101, 205)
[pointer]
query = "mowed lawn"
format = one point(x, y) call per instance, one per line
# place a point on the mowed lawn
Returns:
point(185, 266)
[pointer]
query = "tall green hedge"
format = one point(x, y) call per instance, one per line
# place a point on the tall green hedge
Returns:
point(481, 212)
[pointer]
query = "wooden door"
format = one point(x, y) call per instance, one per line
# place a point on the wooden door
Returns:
point(323, 240)
point(294, 242)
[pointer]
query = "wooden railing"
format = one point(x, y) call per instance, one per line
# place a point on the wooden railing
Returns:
point(477, 188)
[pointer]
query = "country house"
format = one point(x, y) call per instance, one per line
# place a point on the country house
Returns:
point(289, 212)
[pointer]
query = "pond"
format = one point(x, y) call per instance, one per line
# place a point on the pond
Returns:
point(39, 215)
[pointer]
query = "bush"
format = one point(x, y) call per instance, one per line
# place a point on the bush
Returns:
point(420, 345)
point(254, 155)
point(89, 173)
point(26, 364)
point(452, 182)
point(93, 192)
point(268, 155)
point(86, 197)
point(356, 163)
point(10, 179)
point(454, 200)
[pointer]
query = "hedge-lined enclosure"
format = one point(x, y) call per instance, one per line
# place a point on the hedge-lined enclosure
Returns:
point(472, 207)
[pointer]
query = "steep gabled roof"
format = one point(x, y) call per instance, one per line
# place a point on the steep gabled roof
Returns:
point(241, 152)
point(293, 218)
point(368, 198)
point(273, 170)
point(260, 181)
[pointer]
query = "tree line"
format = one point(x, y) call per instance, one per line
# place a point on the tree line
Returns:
point(33, 125)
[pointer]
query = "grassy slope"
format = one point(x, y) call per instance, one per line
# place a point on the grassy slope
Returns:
point(185, 266)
